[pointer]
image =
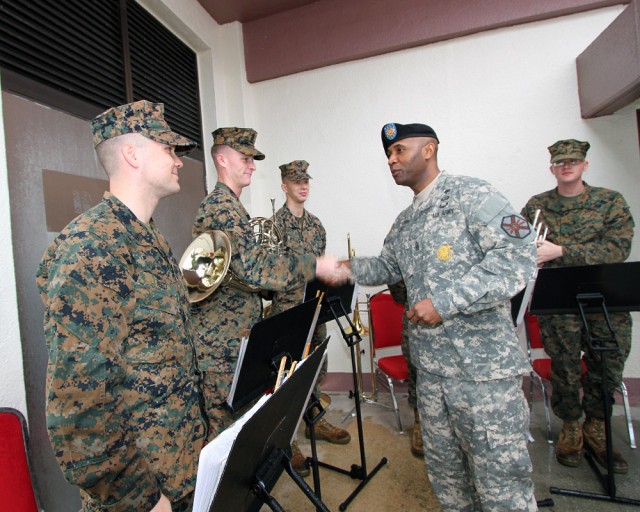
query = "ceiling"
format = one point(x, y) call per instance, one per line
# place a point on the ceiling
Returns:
point(226, 11)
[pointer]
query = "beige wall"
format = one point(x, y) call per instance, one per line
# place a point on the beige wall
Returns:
point(496, 99)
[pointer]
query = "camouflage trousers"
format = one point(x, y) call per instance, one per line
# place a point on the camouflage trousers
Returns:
point(406, 352)
point(475, 440)
point(564, 340)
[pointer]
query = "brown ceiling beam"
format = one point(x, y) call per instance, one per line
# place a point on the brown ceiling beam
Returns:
point(609, 69)
point(329, 32)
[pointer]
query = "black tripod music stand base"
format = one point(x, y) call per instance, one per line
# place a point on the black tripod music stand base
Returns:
point(594, 496)
point(582, 290)
point(357, 474)
point(357, 471)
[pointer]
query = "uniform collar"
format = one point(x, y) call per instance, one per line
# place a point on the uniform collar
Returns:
point(145, 234)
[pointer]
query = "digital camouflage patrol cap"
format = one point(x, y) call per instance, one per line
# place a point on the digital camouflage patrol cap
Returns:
point(570, 149)
point(295, 171)
point(240, 139)
point(393, 132)
point(141, 117)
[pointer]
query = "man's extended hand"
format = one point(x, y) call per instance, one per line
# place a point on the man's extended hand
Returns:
point(332, 271)
point(423, 313)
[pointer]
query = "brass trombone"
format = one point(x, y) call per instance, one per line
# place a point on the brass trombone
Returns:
point(362, 330)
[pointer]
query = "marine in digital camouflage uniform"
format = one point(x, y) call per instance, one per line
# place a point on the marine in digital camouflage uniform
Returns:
point(586, 226)
point(302, 233)
point(227, 315)
point(123, 411)
point(463, 252)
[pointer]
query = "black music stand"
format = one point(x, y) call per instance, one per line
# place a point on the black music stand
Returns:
point(261, 450)
point(582, 290)
point(284, 334)
point(332, 308)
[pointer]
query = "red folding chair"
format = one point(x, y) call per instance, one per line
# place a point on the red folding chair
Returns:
point(385, 331)
point(16, 486)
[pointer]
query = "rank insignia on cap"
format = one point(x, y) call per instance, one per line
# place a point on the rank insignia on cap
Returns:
point(515, 226)
point(444, 253)
point(390, 131)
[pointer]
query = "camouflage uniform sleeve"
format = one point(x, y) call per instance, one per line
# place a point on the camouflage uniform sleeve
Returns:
point(86, 326)
point(507, 256)
point(528, 212)
point(323, 239)
point(613, 245)
point(379, 270)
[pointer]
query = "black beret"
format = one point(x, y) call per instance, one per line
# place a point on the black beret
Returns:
point(393, 132)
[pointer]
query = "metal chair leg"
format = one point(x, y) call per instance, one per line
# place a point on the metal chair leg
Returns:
point(627, 412)
point(395, 404)
point(547, 416)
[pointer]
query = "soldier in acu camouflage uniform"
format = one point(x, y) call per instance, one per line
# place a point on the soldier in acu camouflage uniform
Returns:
point(123, 410)
point(302, 233)
point(462, 252)
point(587, 225)
point(227, 315)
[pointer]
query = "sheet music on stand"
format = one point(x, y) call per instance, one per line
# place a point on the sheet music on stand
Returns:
point(287, 333)
point(213, 459)
point(230, 463)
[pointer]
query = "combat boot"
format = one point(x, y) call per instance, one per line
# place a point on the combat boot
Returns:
point(416, 441)
point(595, 440)
point(569, 444)
point(298, 461)
point(325, 431)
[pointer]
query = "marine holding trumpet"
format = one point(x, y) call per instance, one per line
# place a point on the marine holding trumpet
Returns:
point(224, 317)
point(586, 226)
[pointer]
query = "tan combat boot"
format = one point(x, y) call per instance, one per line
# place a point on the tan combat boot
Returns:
point(298, 461)
point(595, 440)
point(325, 431)
point(569, 444)
point(416, 441)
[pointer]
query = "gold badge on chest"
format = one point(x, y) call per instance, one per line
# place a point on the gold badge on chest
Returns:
point(444, 253)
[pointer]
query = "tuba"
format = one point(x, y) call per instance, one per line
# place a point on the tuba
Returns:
point(205, 264)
